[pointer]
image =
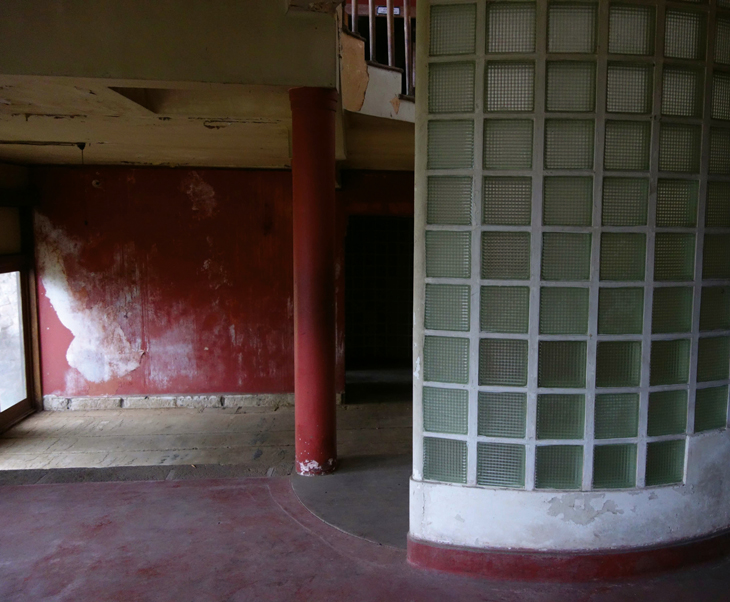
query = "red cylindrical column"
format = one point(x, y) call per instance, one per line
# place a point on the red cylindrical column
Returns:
point(313, 178)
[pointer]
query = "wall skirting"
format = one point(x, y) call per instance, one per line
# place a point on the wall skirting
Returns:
point(565, 567)
point(59, 403)
point(56, 403)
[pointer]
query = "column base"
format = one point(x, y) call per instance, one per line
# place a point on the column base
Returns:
point(565, 567)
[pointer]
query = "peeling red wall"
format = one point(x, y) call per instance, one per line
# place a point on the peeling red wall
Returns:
point(179, 281)
point(175, 281)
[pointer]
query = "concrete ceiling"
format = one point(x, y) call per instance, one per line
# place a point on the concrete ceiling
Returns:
point(42, 119)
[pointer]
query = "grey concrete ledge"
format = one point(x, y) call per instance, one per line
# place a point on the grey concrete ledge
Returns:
point(56, 403)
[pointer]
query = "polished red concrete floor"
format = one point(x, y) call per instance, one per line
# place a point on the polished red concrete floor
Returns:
point(243, 539)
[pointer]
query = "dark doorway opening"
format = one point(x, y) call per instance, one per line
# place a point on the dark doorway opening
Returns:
point(378, 309)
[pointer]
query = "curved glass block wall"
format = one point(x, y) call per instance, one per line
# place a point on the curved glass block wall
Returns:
point(573, 242)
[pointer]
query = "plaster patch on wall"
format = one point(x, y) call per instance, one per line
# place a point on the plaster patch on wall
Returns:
point(201, 195)
point(578, 507)
point(100, 350)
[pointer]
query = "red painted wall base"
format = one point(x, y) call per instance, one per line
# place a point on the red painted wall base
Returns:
point(565, 567)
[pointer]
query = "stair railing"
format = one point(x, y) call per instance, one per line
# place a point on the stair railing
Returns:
point(374, 10)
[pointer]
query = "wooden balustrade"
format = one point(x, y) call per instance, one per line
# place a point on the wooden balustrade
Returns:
point(372, 12)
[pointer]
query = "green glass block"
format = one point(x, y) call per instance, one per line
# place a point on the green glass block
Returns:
point(562, 364)
point(558, 467)
point(711, 409)
point(623, 256)
point(625, 201)
point(505, 309)
point(571, 86)
point(450, 144)
point(507, 201)
point(665, 462)
point(679, 147)
point(507, 144)
point(509, 86)
point(667, 413)
point(453, 29)
point(721, 95)
point(567, 201)
point(618, 364)
point(716, 258)
point(684, 35)
point(672, 310)
point(631, 29)
point(447, 307)
point(676, 203)
point(449, 200)
point(614, 466)
point(717, 212)
point(563, 310)
point(674, 257)
point(569, 144)
point(715, 308)
point(719, 151)
point(445, 410)
point(506, 255)
point(510, 27)
point(572, 28)
point(627, 145)
point(561, 416)
point(629, 88)
point(501, 465)
point(502, 415)
point(616, 415)
point(444, 460)
point(713, 359)
point(722, 41)
point(448, 254)
point(682, 91)
point(446, 360)
point(503, 362)
point(451, 87)
point(670, 362)
point(566, 256)
point(621, 311)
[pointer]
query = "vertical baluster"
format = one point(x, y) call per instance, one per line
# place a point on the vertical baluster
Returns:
point(371, 26)
point(408, 47)
point(391, 47)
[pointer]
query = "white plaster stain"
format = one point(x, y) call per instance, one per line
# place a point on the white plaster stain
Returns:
point(173, 352)
point(100, 350)
point(216, 273)
point(338, 269)
point(309, 467)
point(201, 195)
point(74, 380)
point(417, 371)
point(578, 508)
